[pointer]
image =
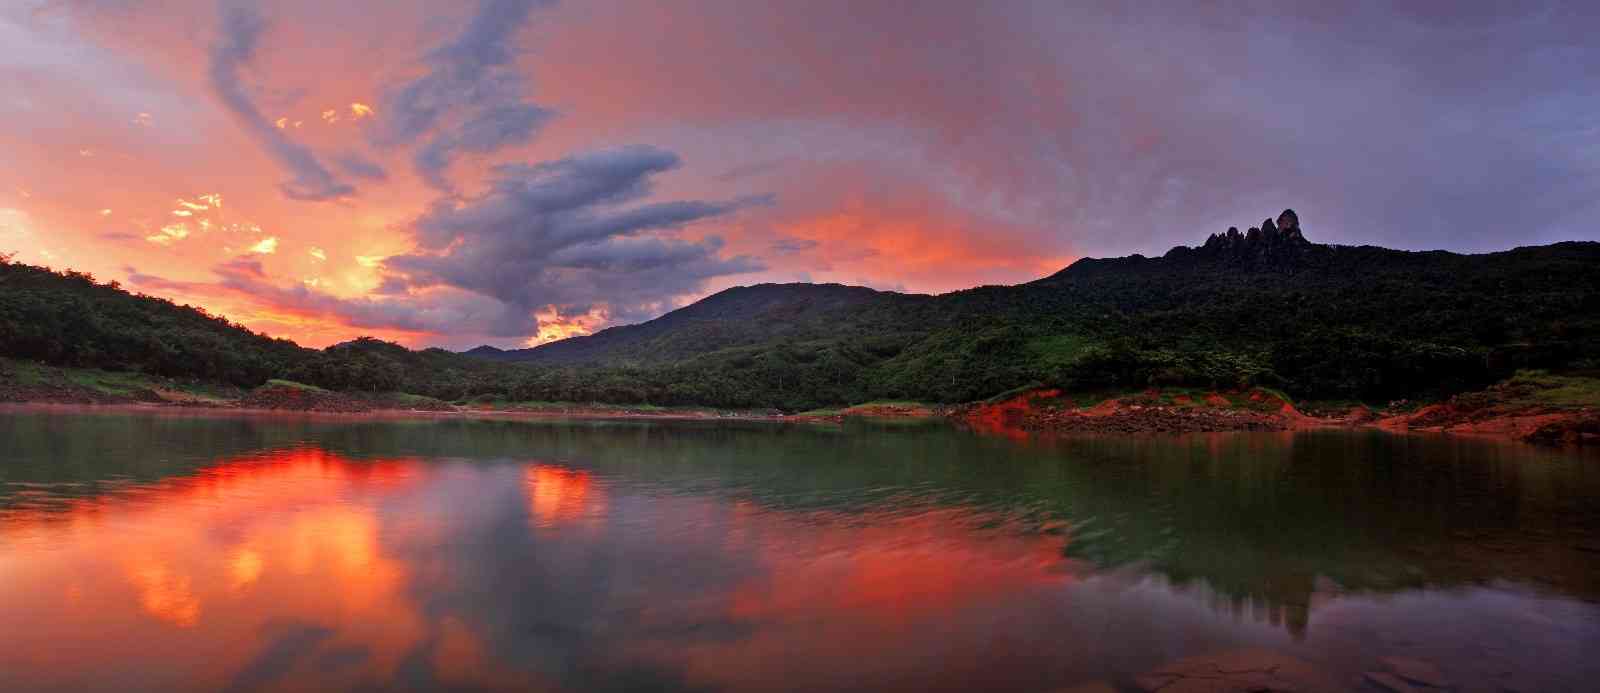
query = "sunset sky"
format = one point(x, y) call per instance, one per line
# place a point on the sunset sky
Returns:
point(513, 171)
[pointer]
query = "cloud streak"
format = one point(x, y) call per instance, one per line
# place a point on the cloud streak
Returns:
point(442, 312)
point(471, 100)
point(239, 32)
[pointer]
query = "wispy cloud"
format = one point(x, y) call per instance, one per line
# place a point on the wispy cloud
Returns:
point(238, 36)
point(471, 100)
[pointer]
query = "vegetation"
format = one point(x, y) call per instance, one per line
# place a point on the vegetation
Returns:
point(94, 384)
point(1336, 323)
point(1359, 324)
point(1538, 390)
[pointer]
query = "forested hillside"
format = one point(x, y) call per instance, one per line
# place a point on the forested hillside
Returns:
point(1261, 308)
point(68, 319)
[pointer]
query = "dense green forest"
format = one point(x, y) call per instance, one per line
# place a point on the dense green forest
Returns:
point(1260, 308)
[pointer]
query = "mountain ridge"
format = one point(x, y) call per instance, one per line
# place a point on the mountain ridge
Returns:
point(1276, 248)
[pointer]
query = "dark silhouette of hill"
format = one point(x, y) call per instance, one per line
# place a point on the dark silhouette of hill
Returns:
point(742, 316)
point(1261, 307)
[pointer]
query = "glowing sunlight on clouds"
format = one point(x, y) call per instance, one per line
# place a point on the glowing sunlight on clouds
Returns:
point(515, 171)
point(169, 234)
point(265, 246)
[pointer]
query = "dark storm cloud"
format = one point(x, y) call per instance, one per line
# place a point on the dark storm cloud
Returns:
point(563, 234)
point(238, 33)
point(472, 99)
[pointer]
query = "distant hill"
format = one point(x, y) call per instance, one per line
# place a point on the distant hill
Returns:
point(739, 317)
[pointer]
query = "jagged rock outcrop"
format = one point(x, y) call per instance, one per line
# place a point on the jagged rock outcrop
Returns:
point(1272, 243)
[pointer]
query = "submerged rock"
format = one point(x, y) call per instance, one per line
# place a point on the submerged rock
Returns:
point(1389, 682)
point(1417, 671)
point(1240, 671)
point(1091, 687)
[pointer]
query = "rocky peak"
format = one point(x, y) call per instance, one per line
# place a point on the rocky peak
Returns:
point(1285, 231)
point(1268, 243)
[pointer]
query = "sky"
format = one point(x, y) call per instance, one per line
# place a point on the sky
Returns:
point(514, 171)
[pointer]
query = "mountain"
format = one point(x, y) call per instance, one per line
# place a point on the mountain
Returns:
point(1266, 306)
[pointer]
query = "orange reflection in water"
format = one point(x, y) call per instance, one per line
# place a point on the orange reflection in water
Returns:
point(197, 581)
point(557, 495)
point(894, 570)
point(219, 566)
point(836, 588)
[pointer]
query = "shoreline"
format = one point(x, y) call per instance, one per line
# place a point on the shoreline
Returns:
point(1532, 406)
point(1016, 417)
point(177, 408)
point(1048, 411)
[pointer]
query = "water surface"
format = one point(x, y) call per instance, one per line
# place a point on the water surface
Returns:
point(171, 552)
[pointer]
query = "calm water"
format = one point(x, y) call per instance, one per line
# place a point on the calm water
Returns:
point(163, 552)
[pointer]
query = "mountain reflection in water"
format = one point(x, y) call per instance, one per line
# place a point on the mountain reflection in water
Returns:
point(166, 552)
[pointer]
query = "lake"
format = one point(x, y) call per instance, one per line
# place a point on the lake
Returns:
point(163, 551)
